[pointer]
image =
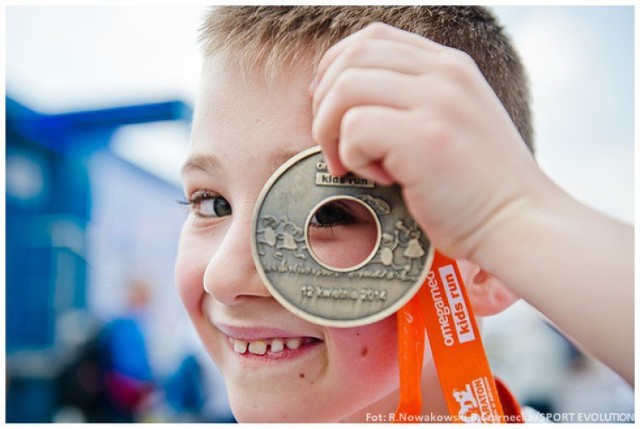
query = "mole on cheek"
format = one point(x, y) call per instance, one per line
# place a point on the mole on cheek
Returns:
point(301, 375)
point(364, 352)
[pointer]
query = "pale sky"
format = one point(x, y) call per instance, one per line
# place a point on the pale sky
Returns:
point(580, 62)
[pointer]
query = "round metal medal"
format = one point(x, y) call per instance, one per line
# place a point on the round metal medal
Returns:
point(337, 251)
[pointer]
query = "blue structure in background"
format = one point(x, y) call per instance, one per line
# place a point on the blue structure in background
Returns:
point(48, 208)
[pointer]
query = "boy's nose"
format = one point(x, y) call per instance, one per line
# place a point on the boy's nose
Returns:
point(231, 275)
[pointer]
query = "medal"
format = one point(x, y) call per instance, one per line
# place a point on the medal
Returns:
point(337, 251)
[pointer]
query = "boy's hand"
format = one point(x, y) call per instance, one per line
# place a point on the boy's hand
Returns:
point(395, 107)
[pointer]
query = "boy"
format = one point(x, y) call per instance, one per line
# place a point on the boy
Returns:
point(397, 103)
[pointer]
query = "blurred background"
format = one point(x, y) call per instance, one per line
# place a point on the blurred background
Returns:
point(98, 106)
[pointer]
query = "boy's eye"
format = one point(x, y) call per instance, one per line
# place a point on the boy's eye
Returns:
point(331, 214)
point(215, 207)
point(205, 205)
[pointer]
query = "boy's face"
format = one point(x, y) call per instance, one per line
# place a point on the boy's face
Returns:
point(277, 367)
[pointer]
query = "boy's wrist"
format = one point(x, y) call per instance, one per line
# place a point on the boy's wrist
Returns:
point(511, 236)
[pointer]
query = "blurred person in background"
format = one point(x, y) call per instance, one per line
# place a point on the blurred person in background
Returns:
point(127, 375)
point(109, 379)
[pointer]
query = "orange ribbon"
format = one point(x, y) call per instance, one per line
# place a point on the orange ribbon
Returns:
point(442, 308)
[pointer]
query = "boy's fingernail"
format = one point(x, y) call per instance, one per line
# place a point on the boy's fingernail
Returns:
point(335, 168)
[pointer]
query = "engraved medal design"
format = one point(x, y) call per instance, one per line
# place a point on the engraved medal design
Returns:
point(287, 232)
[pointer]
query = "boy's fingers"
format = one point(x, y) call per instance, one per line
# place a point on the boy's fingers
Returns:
point(382, 54)
point(370, 150)
point(374, 31)
point(357, 87)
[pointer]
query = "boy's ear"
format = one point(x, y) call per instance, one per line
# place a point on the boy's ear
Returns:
point(487, 294)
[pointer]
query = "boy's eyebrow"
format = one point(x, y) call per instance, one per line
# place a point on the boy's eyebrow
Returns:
point(202, 162)
point(208, 162)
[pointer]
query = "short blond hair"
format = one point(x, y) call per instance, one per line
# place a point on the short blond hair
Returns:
point(270, 38)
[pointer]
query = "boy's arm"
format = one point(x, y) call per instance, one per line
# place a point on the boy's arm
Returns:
point(573, 264)
point(395, 107)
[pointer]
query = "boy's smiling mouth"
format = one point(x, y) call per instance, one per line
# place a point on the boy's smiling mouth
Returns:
point(272, 347)
point(267, 343)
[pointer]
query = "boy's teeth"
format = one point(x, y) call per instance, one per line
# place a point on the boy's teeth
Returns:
point(240, 346)
point(258, 347)
point(277, 346)
point(293, 343)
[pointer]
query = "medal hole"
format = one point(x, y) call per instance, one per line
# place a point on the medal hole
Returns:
point(342, 233)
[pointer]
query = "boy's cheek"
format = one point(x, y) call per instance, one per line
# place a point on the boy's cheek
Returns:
point(364, 362)
point(370, 345)
point(189, 275)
